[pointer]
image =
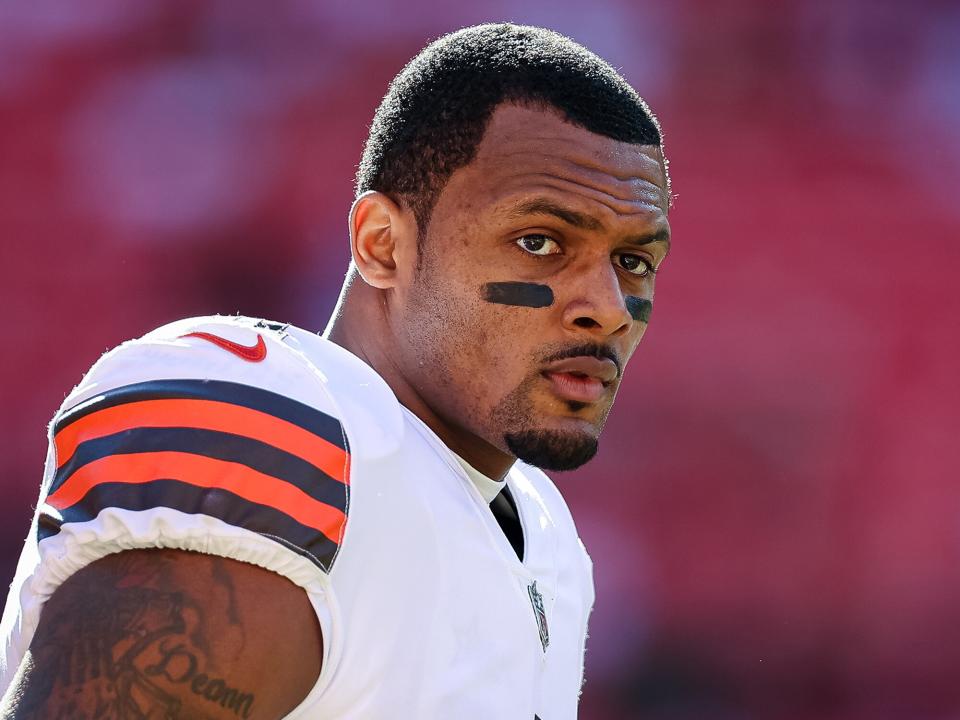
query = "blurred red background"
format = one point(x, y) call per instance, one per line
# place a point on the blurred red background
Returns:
point(775, 514)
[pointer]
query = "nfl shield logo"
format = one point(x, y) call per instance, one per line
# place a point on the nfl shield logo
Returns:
point(536, 599)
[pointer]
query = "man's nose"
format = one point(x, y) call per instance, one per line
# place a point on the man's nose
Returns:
point(597, 304)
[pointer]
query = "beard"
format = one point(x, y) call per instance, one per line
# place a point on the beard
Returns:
point(551, 449)
point(545, 448)
point(526, 429)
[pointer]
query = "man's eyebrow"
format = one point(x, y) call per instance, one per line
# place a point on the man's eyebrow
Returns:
point(546, 207)
point(541, 206)
point(661, 236)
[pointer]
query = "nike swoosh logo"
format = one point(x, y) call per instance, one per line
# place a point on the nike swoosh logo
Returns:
point(251, 353)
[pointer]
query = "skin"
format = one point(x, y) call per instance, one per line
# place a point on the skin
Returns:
point(472, 370)
point(169, 635)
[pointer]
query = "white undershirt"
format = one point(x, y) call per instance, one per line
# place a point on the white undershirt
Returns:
point(488, 487)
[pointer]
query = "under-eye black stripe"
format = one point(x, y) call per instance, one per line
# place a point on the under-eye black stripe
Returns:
point(255, 454)
point(247, 396)
point(214, 502)
point(639, 308)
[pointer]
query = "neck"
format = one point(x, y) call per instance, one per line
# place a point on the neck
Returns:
point(359, 324)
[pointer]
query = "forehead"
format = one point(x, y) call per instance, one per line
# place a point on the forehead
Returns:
point(529, 150)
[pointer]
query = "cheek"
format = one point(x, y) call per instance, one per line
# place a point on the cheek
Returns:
point(477, 338)
point(635, 337)
point(449, 329)
point(514, 341)
point(495, 349)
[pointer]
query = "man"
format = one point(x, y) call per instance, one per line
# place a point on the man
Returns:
point(242, 519)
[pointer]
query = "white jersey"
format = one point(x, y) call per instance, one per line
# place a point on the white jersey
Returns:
point(297, 457)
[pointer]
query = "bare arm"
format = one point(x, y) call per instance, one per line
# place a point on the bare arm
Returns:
point(169, 635)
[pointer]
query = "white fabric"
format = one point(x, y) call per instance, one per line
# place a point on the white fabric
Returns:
point(486, 486)
point(426, 611)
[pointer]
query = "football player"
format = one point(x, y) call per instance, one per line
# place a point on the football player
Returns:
point(241, 519)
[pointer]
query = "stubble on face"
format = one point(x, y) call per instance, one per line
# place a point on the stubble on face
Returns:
point(455, 354)
point(537, 446)
point(444, 342)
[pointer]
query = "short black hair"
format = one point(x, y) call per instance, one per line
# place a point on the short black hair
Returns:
point(437, 108)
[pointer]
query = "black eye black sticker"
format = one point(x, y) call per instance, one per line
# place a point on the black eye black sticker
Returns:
point(533, 295)
point(518, 293)
point(639, 308)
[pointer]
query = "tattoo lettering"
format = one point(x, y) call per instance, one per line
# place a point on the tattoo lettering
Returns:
point(122, 652)
point(179, 665)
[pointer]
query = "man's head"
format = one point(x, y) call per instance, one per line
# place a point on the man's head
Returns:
point(434, 115)
point(511, 213)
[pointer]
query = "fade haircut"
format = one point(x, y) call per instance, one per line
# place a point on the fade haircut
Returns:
point(437, 108)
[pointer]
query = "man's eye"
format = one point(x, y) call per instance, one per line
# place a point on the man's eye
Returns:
point(635, 264)
point(538, 245)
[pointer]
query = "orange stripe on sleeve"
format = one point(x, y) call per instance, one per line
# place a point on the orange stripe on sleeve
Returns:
point(204, 472)
point(206, 415)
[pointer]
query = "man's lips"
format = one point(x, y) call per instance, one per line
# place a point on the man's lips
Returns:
point(581, 379)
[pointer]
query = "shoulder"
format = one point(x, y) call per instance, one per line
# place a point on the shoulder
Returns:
point(215, 349)
point(225, 436)
point(253, 368)
point(211, 426)
point(371, 415)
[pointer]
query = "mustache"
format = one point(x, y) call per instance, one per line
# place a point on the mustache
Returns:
point(596, 350)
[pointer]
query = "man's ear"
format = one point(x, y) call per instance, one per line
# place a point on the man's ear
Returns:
point(383, 239)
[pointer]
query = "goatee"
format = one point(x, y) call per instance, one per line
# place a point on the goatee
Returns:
point(552, 450)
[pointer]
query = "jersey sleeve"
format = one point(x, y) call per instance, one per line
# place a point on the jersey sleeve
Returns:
point(212, 435)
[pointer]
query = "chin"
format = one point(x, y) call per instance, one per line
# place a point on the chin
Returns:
point(553, 449)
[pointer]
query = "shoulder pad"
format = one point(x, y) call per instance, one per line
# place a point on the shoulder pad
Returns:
point(365, 403)
point(213, 417)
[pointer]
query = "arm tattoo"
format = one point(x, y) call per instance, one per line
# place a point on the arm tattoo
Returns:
point(127, 651)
